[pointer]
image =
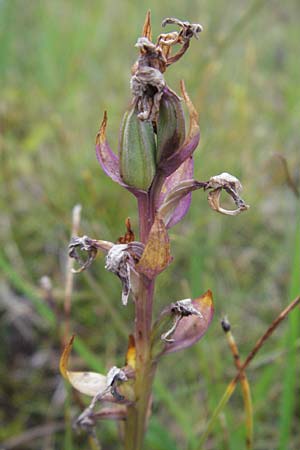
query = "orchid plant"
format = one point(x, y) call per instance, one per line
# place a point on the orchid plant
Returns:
point(155, 164)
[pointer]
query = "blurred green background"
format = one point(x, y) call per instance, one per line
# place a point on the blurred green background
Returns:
point(61, 64)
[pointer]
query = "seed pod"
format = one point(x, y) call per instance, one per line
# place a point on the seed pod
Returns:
point(137, 151)
point(170, 126)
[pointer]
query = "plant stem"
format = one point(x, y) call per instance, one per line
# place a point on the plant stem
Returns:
point(233, 383)
point(137, 414)
point(245, 388)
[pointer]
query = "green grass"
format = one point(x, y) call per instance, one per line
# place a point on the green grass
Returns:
point(61, 65)
point(289, 386)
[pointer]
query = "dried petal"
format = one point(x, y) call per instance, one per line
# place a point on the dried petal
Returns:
point(121, 260)
point(147, 32)
point(232, 186)
point(156, 256)
point(147, 85)
point(169, 165)
point(182, 37)
point(114, 375)
point(129, 235)
point(86, 244)
point(188, 30)
point(185, 308)
point(117, 262)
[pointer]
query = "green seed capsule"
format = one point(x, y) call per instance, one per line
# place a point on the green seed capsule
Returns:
point(137, 151)
point(170, 126)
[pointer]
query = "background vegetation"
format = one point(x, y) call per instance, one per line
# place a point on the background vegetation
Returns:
point(61, 64)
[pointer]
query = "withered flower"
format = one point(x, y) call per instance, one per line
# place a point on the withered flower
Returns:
point(153, 139)
point(88, 245)
point(147, 81)
point(181, 324)
point(121, 259)
point(180, 309)
point(232, 186)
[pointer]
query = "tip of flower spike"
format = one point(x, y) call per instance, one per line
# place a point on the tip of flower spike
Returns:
point(147, 31)
point(101, 135)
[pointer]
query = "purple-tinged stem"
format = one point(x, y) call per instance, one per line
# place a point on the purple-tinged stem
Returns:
point(145, 218)
point(137, 414)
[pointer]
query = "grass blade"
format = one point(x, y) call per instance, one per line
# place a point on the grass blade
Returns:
point(232, 385)
point(289, 395)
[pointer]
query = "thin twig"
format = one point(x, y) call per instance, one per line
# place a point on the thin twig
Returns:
point(232, 385)
point(69, 274)
point(67, 314)
point(244, 383)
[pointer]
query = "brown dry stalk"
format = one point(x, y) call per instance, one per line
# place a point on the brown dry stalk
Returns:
point(244, 383)
point(233, 383)
point(268, 333)
point(70, 275)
